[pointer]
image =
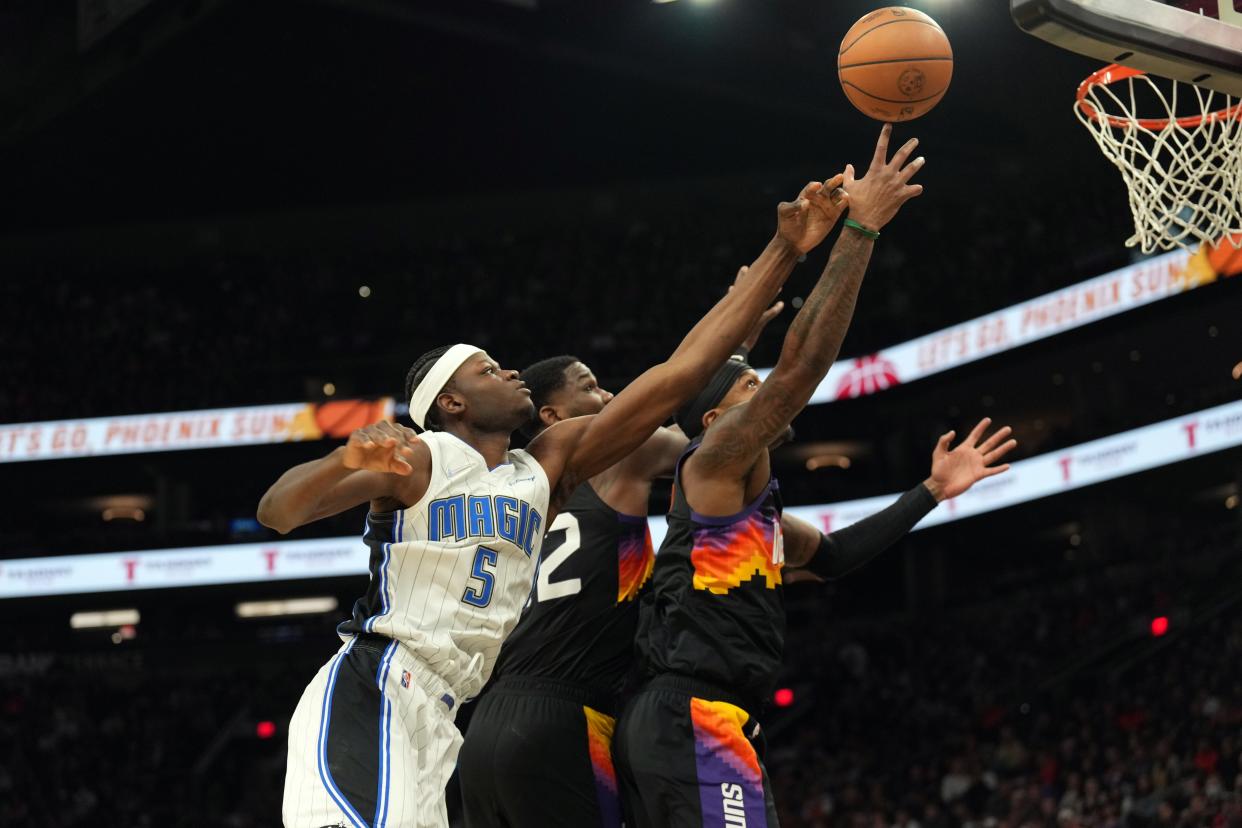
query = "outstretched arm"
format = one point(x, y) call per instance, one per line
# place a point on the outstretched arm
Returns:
point(953, 472)
point(574, 450)
point(733, 445)
point(384, 463)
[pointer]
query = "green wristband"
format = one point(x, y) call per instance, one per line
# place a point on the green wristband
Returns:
point(871, 234)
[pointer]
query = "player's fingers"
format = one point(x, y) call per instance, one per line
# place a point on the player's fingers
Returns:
point(996, 471)
point(772, 312)
point(942, 445)
point(849, 177)
point(810, 189)
point(821, 200)
point(834, 182)
point(913, 167)
point(398, 466)
point(913, 191)
point(840, 198)
point(972, 439)
point(996, 454)
point(899, 159)
point(384, 427)
point(995, 439)
point(881, 147)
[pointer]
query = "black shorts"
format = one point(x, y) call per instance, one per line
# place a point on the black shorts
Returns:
point(538, 754)
point(685, 760)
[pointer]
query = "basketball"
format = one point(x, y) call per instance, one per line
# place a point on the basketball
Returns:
point(895, 64)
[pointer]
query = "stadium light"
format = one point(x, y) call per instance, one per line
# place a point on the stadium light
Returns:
point(783, 697)
point(826, 461)
point(1159, 626)
point(265, 730)
point(103, 618)
point(291, 606)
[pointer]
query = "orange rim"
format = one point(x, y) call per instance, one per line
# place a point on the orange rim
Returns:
point(1115, 73)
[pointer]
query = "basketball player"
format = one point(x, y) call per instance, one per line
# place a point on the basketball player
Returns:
point(455, 528)
point(711, 626)
point(553, 692)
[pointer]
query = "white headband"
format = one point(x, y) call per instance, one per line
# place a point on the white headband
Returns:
point(431, 385)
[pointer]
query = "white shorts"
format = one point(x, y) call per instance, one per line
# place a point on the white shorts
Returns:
point(372, 742)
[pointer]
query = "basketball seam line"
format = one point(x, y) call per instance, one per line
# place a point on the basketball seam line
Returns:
point(889, 23)
point(893, 100)
point(892, 60)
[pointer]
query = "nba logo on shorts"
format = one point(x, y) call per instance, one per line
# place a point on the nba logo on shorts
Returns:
point(405, 678)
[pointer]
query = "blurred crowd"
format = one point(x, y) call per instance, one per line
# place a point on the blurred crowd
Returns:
point(221, 329)
point(1061, 708)
point(1054, 707)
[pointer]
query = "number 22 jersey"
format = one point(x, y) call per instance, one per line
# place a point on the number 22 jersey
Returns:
point(583, 610)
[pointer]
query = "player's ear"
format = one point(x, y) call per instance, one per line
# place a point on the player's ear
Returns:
point(709, 417)
point(548, 416)
point(451, 402)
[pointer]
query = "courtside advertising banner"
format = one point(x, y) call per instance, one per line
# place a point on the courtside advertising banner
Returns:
point(215, 428)
point(1122, 290)
point(191, 566)
point(1171, 441)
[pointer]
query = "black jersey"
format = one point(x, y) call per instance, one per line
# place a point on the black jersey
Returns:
point(715, 610)
point(583, 614)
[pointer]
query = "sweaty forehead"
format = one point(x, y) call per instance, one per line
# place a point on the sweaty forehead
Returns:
point(578, 371)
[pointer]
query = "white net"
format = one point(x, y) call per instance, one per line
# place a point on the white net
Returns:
point(1182, 162)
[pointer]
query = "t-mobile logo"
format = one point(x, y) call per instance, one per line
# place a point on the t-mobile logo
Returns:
point(130, 565)
point(270, 556)
point(1190, 429)
point(825, 520)
point(1064, 463)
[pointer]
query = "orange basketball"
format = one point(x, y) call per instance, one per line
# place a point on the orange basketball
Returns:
point(1225, 259)
point(895, 64)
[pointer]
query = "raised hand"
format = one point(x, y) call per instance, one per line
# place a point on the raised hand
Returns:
point(876, 198)
point(807, 220)
point(381, 447)
point(955, 471)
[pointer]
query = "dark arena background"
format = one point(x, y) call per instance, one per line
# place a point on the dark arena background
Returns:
point(228, 228)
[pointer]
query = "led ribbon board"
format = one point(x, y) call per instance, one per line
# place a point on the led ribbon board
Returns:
point(1171, 441)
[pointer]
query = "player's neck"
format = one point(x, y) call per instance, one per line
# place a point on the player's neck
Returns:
point(493, 445)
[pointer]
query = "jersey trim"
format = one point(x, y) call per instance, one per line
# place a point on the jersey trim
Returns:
point(325, 773)
point(385, 740)
point(714, 520)
point(398, 527)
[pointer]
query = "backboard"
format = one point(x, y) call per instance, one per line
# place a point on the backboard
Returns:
point(1195, 41)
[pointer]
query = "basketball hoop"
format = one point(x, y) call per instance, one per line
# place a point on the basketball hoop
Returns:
point(1183, 171)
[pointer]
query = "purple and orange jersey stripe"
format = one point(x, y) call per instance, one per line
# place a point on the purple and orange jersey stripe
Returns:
point(725, 556)
point(635, 558)
point(599, 728)
point(729, 774)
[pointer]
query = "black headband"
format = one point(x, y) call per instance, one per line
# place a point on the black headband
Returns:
point(690, 417)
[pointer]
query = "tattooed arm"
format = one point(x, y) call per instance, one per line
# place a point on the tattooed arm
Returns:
point(739, 437)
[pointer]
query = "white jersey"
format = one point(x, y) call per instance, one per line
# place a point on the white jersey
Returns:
point(450, 574)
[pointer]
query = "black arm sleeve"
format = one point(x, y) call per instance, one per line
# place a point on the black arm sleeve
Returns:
point(847, 549)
